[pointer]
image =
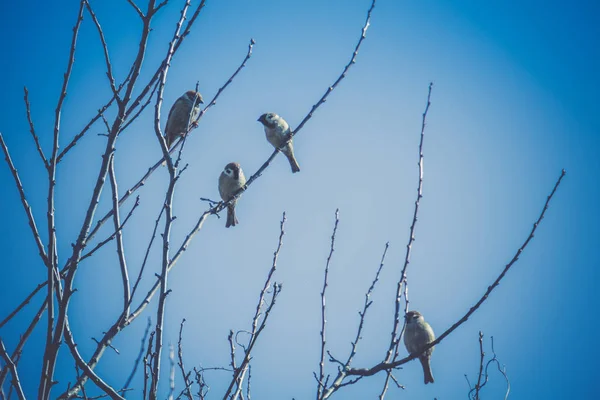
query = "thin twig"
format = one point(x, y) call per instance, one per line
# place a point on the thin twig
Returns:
point(140, 355)
point(481, 358)
point(32, 128)
point(119, 236)
point(171, 372)
point(321, 383)
point(338, 382)
point(112, 235)
point(16, 355)
point(26, 206)
point(109, 73)
point(185, 376)
point(238, 372)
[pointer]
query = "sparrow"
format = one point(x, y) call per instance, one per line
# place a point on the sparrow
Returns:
point(232, 178)
point(183, 112)
point(278, 133)
point(417, 335)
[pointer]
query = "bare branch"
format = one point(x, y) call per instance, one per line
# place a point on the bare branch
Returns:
point(322, 100)
point(32, 128)
point(17, 352)
point(239, 372)
point(26, 206)
point(168, 208)
point(23, 304)
point(139, 278)
point(343, 74)
point(119, 236)
point(384, 366)
point(338, 382)
point(54, 334)
point(172, 372)
point(70, 341)
point(84, 130)
point(81, 242)
point(142, 108)
point(142, 181)
point(147, 364)
point(13, 369)
point(161, 5)
point(112, 235)
point(481, 358)
point(321, 383)
point(139, 357)
point(109, 73)
point(222, 88)
point(186, 377)
point(474, 391)
point(392, 353)
point(137, 9)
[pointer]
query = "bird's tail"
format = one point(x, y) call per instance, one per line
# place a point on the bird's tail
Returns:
point(289, 153)
point(231, 218)
point(428, 376)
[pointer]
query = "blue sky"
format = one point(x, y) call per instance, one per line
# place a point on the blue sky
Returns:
point(514, 101)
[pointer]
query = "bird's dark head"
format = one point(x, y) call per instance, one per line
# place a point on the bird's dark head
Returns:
point(268, 119)
point(194, 96)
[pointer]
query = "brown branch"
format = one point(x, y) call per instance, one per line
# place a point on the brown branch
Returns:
point(321, 378)
point(26, 206)
point(13, 370)
point(32, 128)
point(385, 366)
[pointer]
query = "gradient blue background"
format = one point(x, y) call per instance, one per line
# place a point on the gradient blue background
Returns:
point(515, 100)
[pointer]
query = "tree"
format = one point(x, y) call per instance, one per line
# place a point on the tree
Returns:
point(144, 85)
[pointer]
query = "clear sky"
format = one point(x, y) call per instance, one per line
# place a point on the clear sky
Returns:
point(515, 100)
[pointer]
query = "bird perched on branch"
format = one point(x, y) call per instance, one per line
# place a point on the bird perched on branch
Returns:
point(278, 133)
point(183, 113)
point(417, 335)
point(231, 180)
